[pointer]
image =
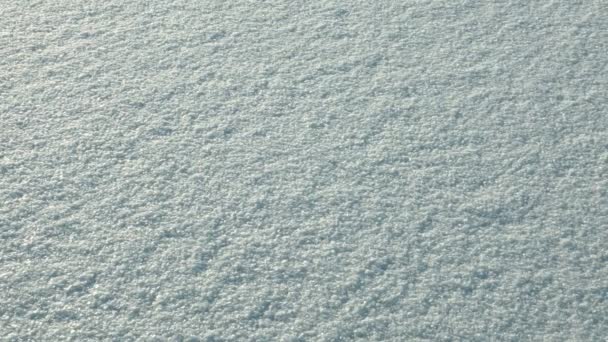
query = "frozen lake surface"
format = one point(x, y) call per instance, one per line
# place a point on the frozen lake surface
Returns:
point(419, 170)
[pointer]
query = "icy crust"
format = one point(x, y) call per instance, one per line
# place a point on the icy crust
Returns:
point(303, 171)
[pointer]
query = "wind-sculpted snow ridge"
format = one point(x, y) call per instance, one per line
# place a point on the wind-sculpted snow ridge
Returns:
point(420, 170)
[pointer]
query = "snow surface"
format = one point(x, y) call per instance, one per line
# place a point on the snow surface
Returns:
point(304, 170)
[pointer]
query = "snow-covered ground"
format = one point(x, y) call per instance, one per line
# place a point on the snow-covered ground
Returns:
point(304, 170)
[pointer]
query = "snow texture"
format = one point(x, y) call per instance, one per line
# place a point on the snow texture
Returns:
point(419, 170)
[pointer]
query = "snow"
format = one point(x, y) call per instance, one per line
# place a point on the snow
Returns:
point(304, 170)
